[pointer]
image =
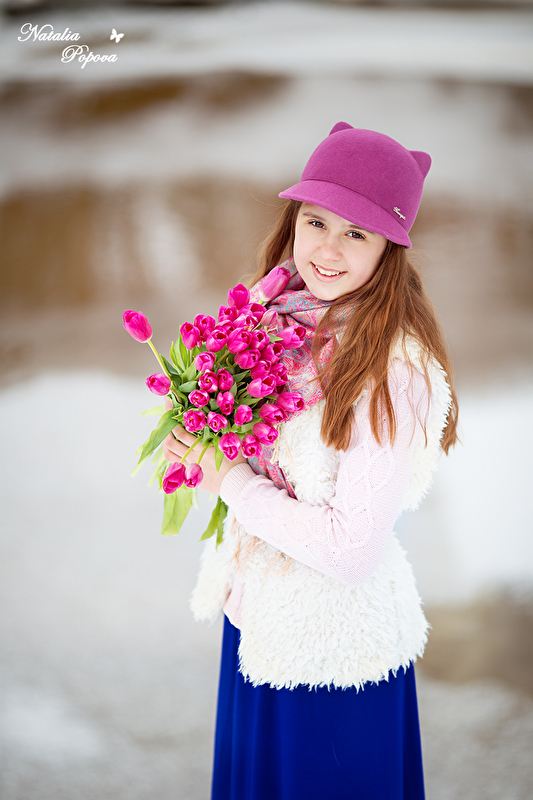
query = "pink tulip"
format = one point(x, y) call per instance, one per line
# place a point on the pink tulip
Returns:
point(290, 401)
point(243, 414)
point(225, 380)
point(291, 338)
point(239, 296)
point(227, 313)
point(260, 370)
point(216, 340)
point(158, 384)
point(216, 421)
point(191, 335)
point(265, 432)
point(173, 477)
point(251, 446)
point(247, 359)
point(256, 310)
point(199, 398)
point(274, 283)
point(208, 381)
point(230, 444)
point(204, 324)
point(272, 352)
point(260, 339)
point(239, 340)
point(193, 475)
point(268, 318)
point(225, 402)
point(194, 420)
point(261, 387)
point(273, 414)
point(204, 362)
point(280, 373)
point(245, 321)
point(137, 325)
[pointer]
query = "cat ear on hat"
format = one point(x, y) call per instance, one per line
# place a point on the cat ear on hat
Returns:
point(423, 160)
point(341, 126)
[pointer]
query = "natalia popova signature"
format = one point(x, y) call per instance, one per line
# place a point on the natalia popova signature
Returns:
point(74, 51)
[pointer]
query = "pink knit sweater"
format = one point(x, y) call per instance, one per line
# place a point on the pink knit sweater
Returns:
point(347, 538)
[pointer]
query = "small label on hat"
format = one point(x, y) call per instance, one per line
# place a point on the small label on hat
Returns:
point(397, 210)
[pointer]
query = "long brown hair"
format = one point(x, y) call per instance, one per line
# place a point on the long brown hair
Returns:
point(392, 302)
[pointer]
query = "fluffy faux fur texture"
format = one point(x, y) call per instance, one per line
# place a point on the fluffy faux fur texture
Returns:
point(299, 626)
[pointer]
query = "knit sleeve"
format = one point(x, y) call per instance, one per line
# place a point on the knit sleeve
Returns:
point(347, 538)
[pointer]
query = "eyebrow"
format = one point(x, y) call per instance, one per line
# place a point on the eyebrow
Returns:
point(351, 225)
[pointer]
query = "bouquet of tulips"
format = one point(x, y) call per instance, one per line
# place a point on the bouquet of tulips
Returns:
point(225, 381)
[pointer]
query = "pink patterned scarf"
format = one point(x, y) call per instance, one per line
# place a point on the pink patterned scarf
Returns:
point(295, 306)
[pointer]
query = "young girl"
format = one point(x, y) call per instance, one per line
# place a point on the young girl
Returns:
point(323, 622)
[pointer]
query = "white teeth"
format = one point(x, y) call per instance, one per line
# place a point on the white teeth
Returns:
point(325, 273)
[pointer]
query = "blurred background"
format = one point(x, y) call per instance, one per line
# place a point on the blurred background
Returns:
point(147, 182)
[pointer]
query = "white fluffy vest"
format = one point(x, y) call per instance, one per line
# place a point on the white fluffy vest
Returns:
point(299, 626)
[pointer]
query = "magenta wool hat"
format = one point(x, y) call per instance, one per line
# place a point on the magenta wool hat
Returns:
point(367, 178)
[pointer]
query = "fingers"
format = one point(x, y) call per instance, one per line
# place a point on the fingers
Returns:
point(177, 443)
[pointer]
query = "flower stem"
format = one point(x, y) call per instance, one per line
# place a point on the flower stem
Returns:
point(156, 354)
point(189, 450)
point(206, 447)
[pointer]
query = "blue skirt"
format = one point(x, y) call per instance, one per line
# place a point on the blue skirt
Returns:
point(301, 744)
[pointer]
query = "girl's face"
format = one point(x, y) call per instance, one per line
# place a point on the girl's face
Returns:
point(334, 256)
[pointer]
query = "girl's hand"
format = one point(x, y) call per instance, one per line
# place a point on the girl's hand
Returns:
point(176, 445)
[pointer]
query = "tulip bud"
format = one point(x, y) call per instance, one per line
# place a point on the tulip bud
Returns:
point(265, 433)
point(239, 340)
point(239, 296)
point(272, 352)
point(243, 414)
point(260, 339)
point(208, 381)
point(256, 310)
point(225, 402)
point(273, 284)
point(261, 387)
point(204, 362)
point(173, 477)
point(216, 421)
point(268, 318)
point(190, 335)
point(194, 420)
point(272, 414)
point(199, 398)
point(137, 325)
point(216, 340)
point(260, 370)
point(227, 313)
point(251, 446)
point(225, 380)
point(158, 384)
point(292, 338)
point(247, 359)
point(290, 401)
point(193, 475)
point(204, 324)
point(279, 371)
point(230, 445)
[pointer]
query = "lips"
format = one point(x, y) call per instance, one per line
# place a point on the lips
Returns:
point(325, 275)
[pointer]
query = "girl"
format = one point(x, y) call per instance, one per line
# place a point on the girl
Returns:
point(323, 621)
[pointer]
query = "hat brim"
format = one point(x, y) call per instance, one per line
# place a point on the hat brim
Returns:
point(349, 205)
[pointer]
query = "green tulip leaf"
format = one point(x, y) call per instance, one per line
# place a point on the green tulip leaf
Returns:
point(177, 506)
point(163, 428)
point(188, 387)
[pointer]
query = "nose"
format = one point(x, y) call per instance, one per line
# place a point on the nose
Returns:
point(329, 248)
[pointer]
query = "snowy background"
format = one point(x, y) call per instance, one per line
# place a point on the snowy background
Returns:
point(147, 183)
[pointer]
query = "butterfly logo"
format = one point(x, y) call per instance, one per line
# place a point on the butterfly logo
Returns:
point(116, 36)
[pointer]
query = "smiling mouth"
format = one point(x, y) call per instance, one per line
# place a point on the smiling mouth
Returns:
point(326, 273)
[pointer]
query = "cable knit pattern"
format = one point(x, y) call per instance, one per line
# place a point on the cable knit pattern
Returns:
point(344, 609)
point(347, 502)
